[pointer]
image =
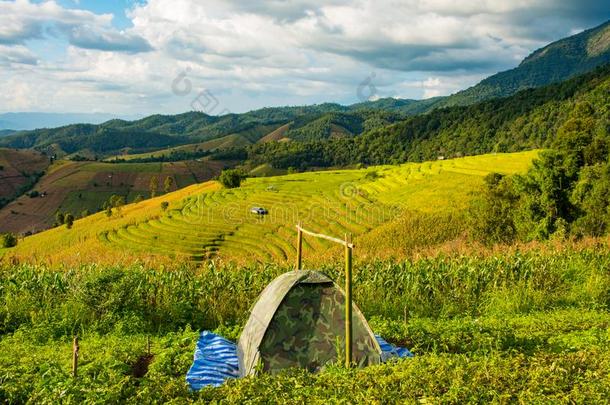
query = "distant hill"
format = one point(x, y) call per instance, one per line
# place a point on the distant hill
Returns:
point(34, 120)
point(4, 132)
point(554, 63)
point(156, 132)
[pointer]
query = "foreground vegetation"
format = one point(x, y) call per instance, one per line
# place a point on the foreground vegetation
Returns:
point(529, 327)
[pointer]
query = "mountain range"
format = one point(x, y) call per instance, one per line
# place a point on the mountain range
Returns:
point(553, 63)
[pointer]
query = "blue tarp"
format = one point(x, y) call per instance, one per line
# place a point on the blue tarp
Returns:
point(215, 360)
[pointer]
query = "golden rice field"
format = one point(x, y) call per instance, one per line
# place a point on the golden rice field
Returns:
point(205, 221)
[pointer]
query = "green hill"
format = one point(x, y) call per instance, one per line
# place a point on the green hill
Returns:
point(555, 62)
point(527, 120)
point(159, 132)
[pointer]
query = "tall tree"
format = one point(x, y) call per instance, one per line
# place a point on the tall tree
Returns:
point(153, 186)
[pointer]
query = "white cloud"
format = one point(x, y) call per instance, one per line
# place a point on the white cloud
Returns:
point(257, 53)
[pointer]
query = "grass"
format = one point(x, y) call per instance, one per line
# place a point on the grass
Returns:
point(528, 327)
point(207, 222)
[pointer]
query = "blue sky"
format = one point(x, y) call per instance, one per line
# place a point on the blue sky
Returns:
point(169, 56)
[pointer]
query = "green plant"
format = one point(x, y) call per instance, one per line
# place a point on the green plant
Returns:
point(8, 240)
point(167, 184)
point(231, 178)
point(69, 220)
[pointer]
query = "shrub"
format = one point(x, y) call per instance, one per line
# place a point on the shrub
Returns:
point(164, 205)
point(372, 175)
point(231, 178)
point(69, 220)
point(8, 240)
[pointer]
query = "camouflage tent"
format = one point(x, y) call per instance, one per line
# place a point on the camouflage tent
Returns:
point(299, 321)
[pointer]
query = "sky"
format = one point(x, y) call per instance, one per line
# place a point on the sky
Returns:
point(128, 57)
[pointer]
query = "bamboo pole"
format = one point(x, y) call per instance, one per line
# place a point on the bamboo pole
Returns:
point(75, 356)
point(348, 302)
point(349, 247)
point(299, 247)
point(330, 238)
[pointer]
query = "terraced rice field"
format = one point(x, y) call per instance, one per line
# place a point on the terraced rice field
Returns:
point(76, 186)
point(218, 223)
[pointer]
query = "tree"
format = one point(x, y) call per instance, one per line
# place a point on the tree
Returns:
point(138, 198)
point(591, 196)
point(167, 184)
point(59, 218)
point(154, 184)
point(231, 178)
point(116, 201)
point(84, 213)
point(545, 196)
point(491, 215)
point(69, 219)
point(164, 205)
point(8, 240)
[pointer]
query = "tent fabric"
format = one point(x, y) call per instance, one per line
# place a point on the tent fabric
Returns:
point(216, 360)
point(299, 321)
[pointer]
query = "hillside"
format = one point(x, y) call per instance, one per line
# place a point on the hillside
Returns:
point(5, 132)
point(19, 171)
point(204, 221)
point(556, 62)
point(553, 63)
point(73, 187)
point(159, 132)
point(527, 120)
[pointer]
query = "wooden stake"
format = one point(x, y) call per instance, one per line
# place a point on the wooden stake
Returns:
point(299, 248)
point(75, 357)
point(348, 303)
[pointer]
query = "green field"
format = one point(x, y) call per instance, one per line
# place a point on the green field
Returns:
point(206, 221)
point(529, 328)
point(219, 224)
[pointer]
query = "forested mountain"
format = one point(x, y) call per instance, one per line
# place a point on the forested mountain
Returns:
point(529, 119)
point(161, 131)
point(444, 132)
point(553, 63)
